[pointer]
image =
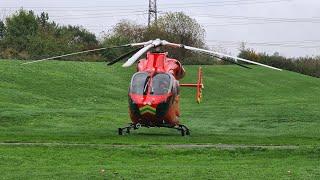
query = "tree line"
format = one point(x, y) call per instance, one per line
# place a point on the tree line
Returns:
point(304, 65)
point(25, 35)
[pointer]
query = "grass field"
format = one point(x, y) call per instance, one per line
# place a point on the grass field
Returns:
point(53, 105)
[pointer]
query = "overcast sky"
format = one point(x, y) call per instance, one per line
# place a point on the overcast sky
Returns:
point(290, 27)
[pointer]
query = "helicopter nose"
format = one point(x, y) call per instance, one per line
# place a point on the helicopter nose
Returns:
point(162, 109)
point(147, 109)
point(147, 103)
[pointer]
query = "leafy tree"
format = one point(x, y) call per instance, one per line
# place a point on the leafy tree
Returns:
point(2, 29)
point(31, 36)
point(113, 40)
point(131, 31)
point(20, 29)
point(124, 32)
point(43, 19)
point(249, 54)
point(174, 27)
point(304, 65)
point(179, 28)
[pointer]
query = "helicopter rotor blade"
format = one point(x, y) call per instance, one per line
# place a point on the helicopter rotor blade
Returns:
point(221, 55)
point(124, 56)
point(233, 62)
point(86, 51)
point(217, 54)
point(155, 43)
point(228, 60)
point(137, 55)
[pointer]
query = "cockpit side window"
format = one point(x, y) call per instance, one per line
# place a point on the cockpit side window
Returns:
point(161, 84)
point(177, 87)
point(139, 83)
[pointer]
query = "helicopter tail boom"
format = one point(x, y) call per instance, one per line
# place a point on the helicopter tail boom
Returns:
point(199, 85)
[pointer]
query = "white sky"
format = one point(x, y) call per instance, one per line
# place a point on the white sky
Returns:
point(290, 27)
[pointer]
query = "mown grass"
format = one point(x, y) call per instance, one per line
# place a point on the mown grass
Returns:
point(72, 102)
point(87, 102)
point(65, 162)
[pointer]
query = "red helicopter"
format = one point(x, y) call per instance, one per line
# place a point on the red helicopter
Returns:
point(154, 93)
point(154, 89)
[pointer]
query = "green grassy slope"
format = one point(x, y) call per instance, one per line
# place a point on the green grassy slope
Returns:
point(84, 103)
point(156, 163)
point(87, 102)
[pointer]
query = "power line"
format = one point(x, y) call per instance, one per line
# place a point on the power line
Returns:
point(173, 5)
point(265, 19)
point(82, 10)
point(271, 19)
point(290, 41)
point(221, 2)
point(89, 17)
point(283, 45)
point(230, 4)
point(293, 44)
point(253, 23)
point(103, 14)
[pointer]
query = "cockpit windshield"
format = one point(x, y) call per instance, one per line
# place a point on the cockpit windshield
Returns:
point(161, 84)
point(139, 83)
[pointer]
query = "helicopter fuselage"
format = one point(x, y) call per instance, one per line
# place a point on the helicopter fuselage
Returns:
point(154, 91)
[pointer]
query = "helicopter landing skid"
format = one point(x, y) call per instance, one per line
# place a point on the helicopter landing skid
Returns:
point(128, 128)
point(184, 130)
